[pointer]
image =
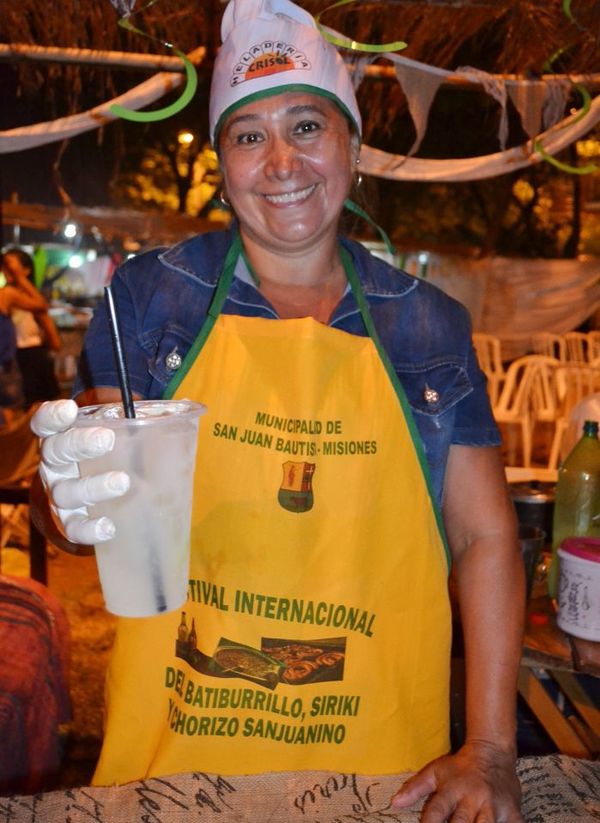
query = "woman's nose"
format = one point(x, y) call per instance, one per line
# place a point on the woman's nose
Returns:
point(283, 160)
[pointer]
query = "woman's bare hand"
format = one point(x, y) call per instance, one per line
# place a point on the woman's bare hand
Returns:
point(478, 784)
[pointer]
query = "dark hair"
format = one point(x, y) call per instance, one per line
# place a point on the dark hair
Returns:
point(24, 259)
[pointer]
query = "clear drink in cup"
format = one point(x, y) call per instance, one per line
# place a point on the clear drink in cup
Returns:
point(144, 568)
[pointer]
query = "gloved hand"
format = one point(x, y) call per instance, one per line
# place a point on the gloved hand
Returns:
point(62, 447)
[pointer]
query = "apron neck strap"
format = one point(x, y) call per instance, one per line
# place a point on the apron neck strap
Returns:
point(365, 313)
point(359, 296)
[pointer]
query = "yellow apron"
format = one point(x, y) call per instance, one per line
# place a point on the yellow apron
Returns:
point(317, 629)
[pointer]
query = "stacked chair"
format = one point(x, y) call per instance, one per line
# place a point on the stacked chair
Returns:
point(528, 396)
point(489, 354)
point(539, 389)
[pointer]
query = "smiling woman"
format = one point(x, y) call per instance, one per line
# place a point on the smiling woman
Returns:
point(288, 162)
point(281, 319)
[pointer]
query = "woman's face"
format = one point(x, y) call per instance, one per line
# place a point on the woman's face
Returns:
point(13, 268)
point(287, 163)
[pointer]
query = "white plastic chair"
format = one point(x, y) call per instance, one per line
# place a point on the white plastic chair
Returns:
point(527, 474)
point(515, 406)
point(574, 382)
point(593, 348)
point(577, 347)
point(489, 355)
point(545, 402)
point(550, 345)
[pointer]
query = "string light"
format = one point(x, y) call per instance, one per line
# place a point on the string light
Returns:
point(70, 230)
point(185, 138)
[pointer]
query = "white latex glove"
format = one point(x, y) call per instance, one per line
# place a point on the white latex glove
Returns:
point(62, 447)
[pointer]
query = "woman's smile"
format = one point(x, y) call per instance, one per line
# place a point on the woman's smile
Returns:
point(291, 198)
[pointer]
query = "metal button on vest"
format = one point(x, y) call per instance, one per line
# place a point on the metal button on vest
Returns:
point(430, 395)
point(173, 360)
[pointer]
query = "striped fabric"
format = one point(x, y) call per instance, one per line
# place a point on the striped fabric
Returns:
point(34, 697)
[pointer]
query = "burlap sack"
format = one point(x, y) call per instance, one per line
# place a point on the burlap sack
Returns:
point(555, 790)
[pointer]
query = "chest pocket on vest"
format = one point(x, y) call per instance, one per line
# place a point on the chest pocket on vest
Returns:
point(434, 387)
point(168, 348)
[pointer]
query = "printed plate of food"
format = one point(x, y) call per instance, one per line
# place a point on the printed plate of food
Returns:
point(307, 661)
point(232, 659)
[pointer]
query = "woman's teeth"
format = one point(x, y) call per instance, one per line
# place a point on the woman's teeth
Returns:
point(292, 196)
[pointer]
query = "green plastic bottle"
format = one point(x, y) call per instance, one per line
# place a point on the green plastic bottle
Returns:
point(577, 498)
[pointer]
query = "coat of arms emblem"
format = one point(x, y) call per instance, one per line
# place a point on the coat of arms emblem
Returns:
point(296, 494)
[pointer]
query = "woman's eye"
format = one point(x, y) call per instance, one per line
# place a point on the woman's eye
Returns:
point(247, 139)
point(307, 127)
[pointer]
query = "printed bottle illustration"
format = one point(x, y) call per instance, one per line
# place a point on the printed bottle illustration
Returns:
point(183, 631)
point(193, 638)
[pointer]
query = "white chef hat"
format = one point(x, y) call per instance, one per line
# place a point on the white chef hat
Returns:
point(271, 46)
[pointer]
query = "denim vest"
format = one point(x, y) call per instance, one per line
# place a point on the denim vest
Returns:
point(163, 296)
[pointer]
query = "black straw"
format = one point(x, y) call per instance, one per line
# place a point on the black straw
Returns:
point(115, 333)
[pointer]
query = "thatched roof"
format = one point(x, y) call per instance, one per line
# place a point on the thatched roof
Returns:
point(503, 36)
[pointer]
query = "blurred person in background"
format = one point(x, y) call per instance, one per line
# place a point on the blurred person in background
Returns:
point(12, 299)
point(37, 335)
point(11, 391)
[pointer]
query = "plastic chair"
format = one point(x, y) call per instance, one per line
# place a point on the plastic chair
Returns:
point(528, 396)
point(577, 347)
point(593, 347)
point(513, 408)
point(545, 400)
point(489, 355)
point(19, 459)
point(550, 345)
point(527, 474)
point(574, 382)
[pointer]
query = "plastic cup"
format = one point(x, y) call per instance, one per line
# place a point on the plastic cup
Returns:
point(144, 568)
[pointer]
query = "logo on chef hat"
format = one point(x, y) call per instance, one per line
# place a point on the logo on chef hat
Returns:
point(268, 58)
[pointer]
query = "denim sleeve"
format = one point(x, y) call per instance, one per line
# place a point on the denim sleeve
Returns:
point(474, 422)
point(97, 362)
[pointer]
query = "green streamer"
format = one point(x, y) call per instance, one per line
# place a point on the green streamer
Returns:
point(354, 45)
point(567, 10)
point(537, 145)
point(590, 169)
point(182, 101)
point(586, 102)
point(547, 67)
point(356, 209)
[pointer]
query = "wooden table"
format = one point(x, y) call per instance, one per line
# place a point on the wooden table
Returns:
point(549, 652)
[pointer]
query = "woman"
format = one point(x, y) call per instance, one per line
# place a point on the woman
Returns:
point(12, 299)
point(321, 489)
point(36, 332)
point(11, 394)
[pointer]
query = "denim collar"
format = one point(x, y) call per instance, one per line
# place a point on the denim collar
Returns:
point(202, 257)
